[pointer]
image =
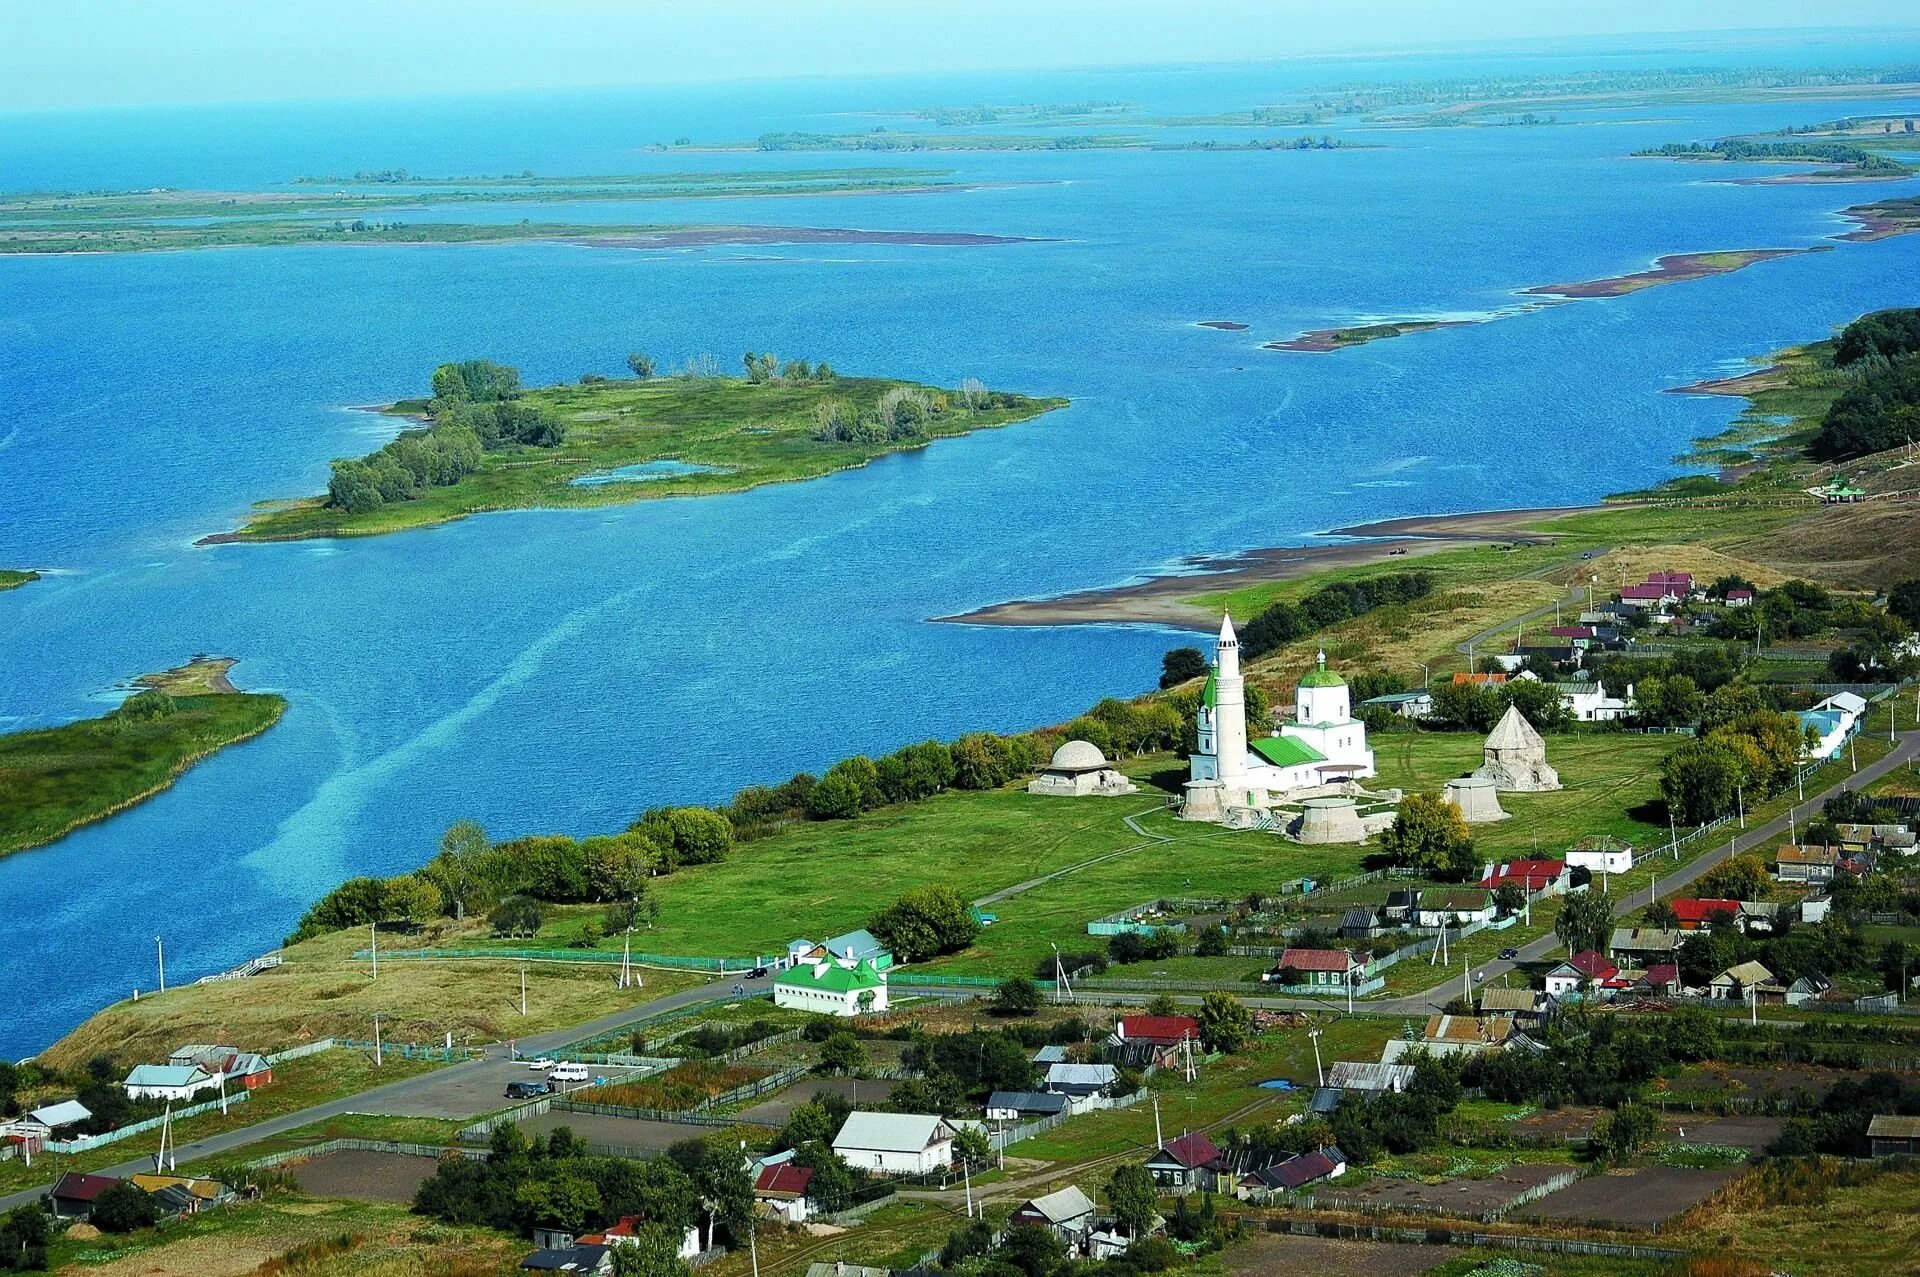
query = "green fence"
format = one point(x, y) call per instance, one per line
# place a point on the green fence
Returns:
point(598, 957)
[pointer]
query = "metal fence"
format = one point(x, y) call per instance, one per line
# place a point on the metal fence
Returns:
point(309, 1151)
point(593, 957)
point(114, 1136)
point(702, 1114)
point(1443, 1236)
point(300, 1052)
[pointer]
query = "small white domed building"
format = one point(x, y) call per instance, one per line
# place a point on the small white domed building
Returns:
point(1079, 770)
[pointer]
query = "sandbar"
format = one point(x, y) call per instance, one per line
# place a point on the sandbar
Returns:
point(1674, 268)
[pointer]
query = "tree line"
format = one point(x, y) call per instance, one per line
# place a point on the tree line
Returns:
point(1880, 408)
point(1742, 149)
point(476, 408)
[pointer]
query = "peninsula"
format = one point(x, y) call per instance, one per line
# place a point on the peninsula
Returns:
point(1849, 163)
point(10, 577)
point(60, 778)
point(485, 444)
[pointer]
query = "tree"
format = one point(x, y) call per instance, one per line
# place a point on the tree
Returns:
point(972, 1146)
point(1016, 995)
point(1510, 897)
point(1586, 919)
point(641, 364)
point(842, 1053)
point(833, 1184)
point(1182, 665)
point(411, 898)
point(1625, 1132)
point(653, 1252)
point(517, 916)
point(836, 797)
point(1429, 833)
point(980, 761)
point(1539, 703)
point(723, 1181)
point(123, 1208)
point(23, 1239)
point(925, 923)
point(1699, 780)
point(1225, 1022)
point(1470, 705)
point(1741, 878)
point(687, 835)
point(1903, 601)
point(1661, 914)
point(1032, 1250)
point(1671, 701)
point(1132, 1196)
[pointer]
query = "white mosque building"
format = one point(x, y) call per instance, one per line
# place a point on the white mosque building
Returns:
point(1323, 745)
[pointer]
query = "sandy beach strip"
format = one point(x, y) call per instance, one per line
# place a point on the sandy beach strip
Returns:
point(1164, 600)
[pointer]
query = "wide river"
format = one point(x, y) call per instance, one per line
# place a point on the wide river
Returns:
point(564, 670)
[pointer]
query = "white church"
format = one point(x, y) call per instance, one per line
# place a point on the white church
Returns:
point(1323, 745)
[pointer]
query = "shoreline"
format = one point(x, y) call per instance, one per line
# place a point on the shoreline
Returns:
point(1162, 599)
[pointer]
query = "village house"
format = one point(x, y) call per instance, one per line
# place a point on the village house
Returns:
point(1078, 1081)
point(242, 1068)
point(74, 1195)
point(178, 1195)
point(1589, 702)
point(1588, 973)
point(1551, 877)
point(1522, 1004)
point(1739, 597)
point(829, 988)
point(895, 1143)
point(176, 1082)
point(1192, 1162)
point(1364, 1075)
point(1296, 1172)
point(780, 1191)
point(1360, 923)
point(1402, 906)
point(1698, 915)
point(1827, 729)
point(1739, 982)
point(1798, 863)
point(1151, 1039)
point(569, 1259)
point(1459, 1035)
point(1661, 980)
point(1644, 946)
point(1414, 705)
point(848, 950)
point(34, 1129)
point(1023, 1106)
point(1322, 968)
point(1455, 908)
point(1891, 1135)
point(1067, 1214)
point(1601, 853)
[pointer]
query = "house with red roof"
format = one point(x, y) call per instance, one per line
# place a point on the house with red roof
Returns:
point(625, 1233)
point(1740, 598)
point(1157, 1030)
point(1661, 979)
point(1295, 1172)
point(1481, 680)
point(780, 1191)
point(1697, 915)
point(1549, 876)
point(1326, 968)
point(1191, 1162)
point(1590, 970)
point(73, 1197)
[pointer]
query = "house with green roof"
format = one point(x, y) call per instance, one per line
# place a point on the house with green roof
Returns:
point(829, 988)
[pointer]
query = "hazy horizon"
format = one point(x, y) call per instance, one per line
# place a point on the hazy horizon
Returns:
point(94, 55)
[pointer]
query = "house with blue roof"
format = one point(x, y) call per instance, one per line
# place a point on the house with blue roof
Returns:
point(1828, 729)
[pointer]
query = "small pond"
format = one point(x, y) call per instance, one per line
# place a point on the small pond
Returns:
point(645, 471)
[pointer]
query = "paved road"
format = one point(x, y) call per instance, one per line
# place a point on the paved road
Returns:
point(458, 1091)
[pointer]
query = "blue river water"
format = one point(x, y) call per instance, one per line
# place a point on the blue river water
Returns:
point(564, 670)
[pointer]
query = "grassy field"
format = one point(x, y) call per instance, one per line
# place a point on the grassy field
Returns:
point(376, 1240)
point(296, 1084)
point(1869, 1231)
point(748, 434)
point(321, 991)
point(54, 780)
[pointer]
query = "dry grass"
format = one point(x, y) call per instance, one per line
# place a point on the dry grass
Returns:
point(1631, 564)
point(1851, 545)
point(322, 991)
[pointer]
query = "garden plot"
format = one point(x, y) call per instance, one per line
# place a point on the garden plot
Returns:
point(363, 1175)
point(1484, 1197)
point(1644, 1198)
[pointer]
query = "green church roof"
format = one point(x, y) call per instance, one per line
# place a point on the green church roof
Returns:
point(1285, 751)
point(1210, 694)
point(1322, 678)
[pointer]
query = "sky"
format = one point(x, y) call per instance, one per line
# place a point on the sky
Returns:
point(119, 53)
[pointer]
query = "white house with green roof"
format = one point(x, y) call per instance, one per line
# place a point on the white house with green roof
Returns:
point(829, 988)
point(1323, 745)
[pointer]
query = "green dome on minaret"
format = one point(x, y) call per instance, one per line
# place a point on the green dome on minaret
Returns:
point(1322, 676)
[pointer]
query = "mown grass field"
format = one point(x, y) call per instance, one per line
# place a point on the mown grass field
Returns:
point(751, 434)
point(55, 779)
point(322, 991)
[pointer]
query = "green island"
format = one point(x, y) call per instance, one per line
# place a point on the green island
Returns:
point(1324, 340)
point(162, 220)
point(489, 445)
point(884, 139)
point(55, 779)
point(1851, 162)
point(11, 578)
point(1738, 1134)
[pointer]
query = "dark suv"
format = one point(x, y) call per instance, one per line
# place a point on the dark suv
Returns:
point(528, 1090)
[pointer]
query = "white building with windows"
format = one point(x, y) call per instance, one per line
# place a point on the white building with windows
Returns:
point(1324, 743)
point(895, 1143)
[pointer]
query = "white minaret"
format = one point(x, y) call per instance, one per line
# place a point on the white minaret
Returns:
point(1230, 706)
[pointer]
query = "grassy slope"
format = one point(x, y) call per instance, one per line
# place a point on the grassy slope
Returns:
point(759, 434)
point(59, 778)
point(320, 991)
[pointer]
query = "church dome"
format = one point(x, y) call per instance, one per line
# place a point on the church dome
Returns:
point(1321, 676)
point(1077, 756)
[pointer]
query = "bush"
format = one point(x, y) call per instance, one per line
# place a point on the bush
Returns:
point(925, 923)
point(1016, 995)
point(123, 1208)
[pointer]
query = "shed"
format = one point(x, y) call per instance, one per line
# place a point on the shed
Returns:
point(1891, 1135)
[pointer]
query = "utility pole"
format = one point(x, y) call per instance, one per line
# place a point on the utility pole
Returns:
point(753, 1245)
point(1673, 835)
point(1740, 799)
point(378, 1058)
point(160, 947)
point(1158, 1142)
point(523, 990)
point(1319, 1072)
point(373, 931)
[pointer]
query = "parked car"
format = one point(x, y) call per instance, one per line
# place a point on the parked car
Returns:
point(528, 1090)
point(569, 1073)
point(1509, 954)
point(540, 1065)
point(758, 973)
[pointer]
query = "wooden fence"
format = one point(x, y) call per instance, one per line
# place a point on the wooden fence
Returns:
point(1438, 1235)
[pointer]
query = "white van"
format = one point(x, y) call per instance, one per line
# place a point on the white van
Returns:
point(569, 1073)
